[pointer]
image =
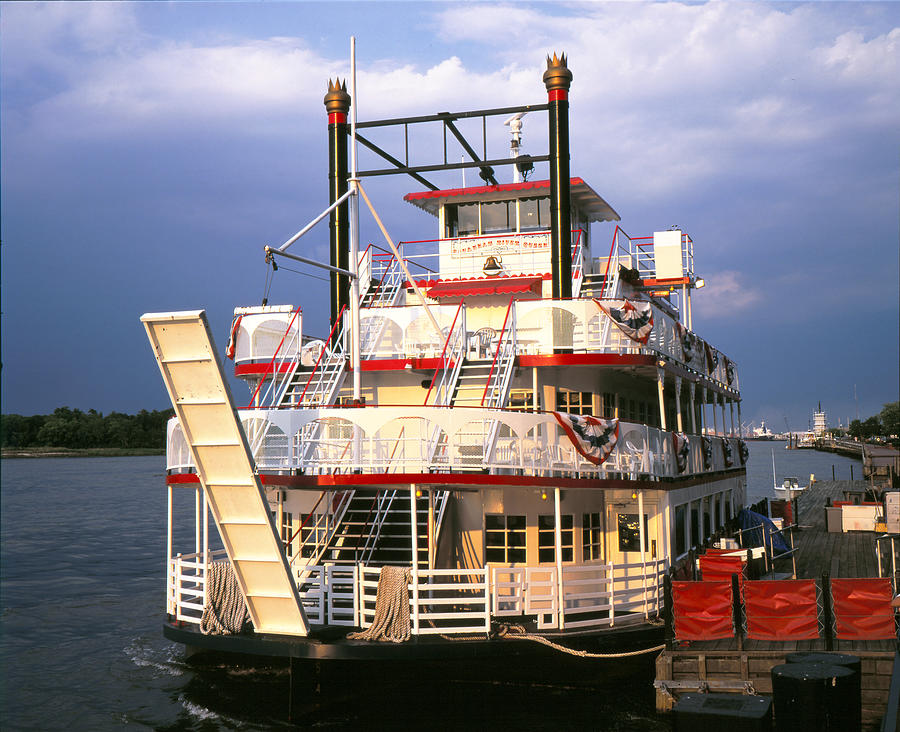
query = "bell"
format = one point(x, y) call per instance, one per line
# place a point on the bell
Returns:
point(492, 267)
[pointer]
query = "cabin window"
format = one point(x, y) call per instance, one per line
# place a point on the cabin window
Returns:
point(707, 517)
point(630, 533)
point(680, 536)
point(695, 523)
point(466, 215)
point(609, 405)
point(534, 214)
point(643, 416)
point(575, 402)
point(287, 532)
point(727, 498)
point(521, 400)
point(547, 537)
point(717, 501)
point(504, 538)
point(498, 216)
point(591, 536)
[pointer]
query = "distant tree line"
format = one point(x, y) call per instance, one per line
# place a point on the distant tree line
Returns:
point(885, 425)
point(73, 428)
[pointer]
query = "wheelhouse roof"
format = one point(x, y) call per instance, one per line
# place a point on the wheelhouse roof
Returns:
point(583, 197)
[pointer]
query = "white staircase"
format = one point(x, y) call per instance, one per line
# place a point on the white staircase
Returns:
point(184, 350)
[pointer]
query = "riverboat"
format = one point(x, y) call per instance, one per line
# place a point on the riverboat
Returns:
point(511, 431)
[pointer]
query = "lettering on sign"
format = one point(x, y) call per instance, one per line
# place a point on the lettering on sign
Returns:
point(499, 245)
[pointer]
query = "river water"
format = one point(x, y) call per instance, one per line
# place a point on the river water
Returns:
point(82, 593)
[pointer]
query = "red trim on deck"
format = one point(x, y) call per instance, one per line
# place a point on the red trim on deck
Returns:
point(260, 369)
point(664, 283)
point(485, 286)
point(393, 364)
point(586, 359)
point(476, 480)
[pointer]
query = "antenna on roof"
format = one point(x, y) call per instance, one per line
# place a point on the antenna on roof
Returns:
point(515, 130)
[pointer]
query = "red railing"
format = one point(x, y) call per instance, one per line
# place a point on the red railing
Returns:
point(271, 365)
point(499, 346)
point(312, 373)
point(443, 352)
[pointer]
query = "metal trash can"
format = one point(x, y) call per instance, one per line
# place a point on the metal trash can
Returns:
point(815, 696)
point(854, 663)
point(714, 712)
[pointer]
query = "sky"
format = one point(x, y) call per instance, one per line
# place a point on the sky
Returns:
point(148, 152)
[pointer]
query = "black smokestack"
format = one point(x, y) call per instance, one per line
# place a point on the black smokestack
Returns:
point(337, 104)
point(558, 79)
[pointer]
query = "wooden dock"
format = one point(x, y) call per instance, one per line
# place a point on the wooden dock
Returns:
point(744, 666)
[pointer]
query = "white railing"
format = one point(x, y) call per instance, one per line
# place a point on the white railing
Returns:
point(398, 440)
point(460, 601)
point(186, 585)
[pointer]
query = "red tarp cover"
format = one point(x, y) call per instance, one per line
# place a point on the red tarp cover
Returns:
point(862, 609)
point(781, 610)
point(491, 286)
point(718, 567)
point(702, 610)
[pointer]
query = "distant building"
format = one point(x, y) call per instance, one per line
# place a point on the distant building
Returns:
point(819, 421)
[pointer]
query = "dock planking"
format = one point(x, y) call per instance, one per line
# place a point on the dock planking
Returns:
point(745, 667)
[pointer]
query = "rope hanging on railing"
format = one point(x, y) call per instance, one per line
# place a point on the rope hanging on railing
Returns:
point(225, 611)
point(391, 621)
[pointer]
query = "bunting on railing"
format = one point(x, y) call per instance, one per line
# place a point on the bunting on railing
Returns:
point(593, 438)
point(688, 343)
point(707, 452)
point(232, 337)
point(729, 370)
point(682, 450)
point(712, 358)
point(744, 452)
point(633, 318)
point(726, 450)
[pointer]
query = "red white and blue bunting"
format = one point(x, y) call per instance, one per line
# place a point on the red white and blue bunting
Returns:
point(707, 452)
point(729, 370)
point(726, 450)
point(633, 317)
point(682, 450)
point(712, 358)
point(593, 438)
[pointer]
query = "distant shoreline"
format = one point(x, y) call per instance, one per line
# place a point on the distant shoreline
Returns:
point(59, 452)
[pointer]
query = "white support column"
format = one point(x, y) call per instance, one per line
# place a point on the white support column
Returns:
point(197, 521)
point(414, 532)
point(731, 410)
point(715, 415)
point(431, 527)
point(642, 537)
point(205, 546)
point(557, 541)
point(678, 418)
point(740, 422)
point(693, 389)
point(170, 607)
point(660, 382)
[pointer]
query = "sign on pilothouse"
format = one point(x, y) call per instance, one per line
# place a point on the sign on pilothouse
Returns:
point(515, 253)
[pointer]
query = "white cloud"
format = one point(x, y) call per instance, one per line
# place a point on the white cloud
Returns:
point(727, 296)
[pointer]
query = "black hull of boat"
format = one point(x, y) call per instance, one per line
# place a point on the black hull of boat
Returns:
point(512, 660)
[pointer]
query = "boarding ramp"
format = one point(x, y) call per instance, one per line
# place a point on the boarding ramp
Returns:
point(185, 352)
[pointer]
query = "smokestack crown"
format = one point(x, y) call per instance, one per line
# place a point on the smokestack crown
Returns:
point(337, 100)
point(557, 75)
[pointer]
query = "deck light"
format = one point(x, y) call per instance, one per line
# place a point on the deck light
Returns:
point(699, 282)
point(543, 495)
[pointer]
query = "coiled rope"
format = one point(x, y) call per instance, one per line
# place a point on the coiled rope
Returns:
point(391, 621)
point(225, 611)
